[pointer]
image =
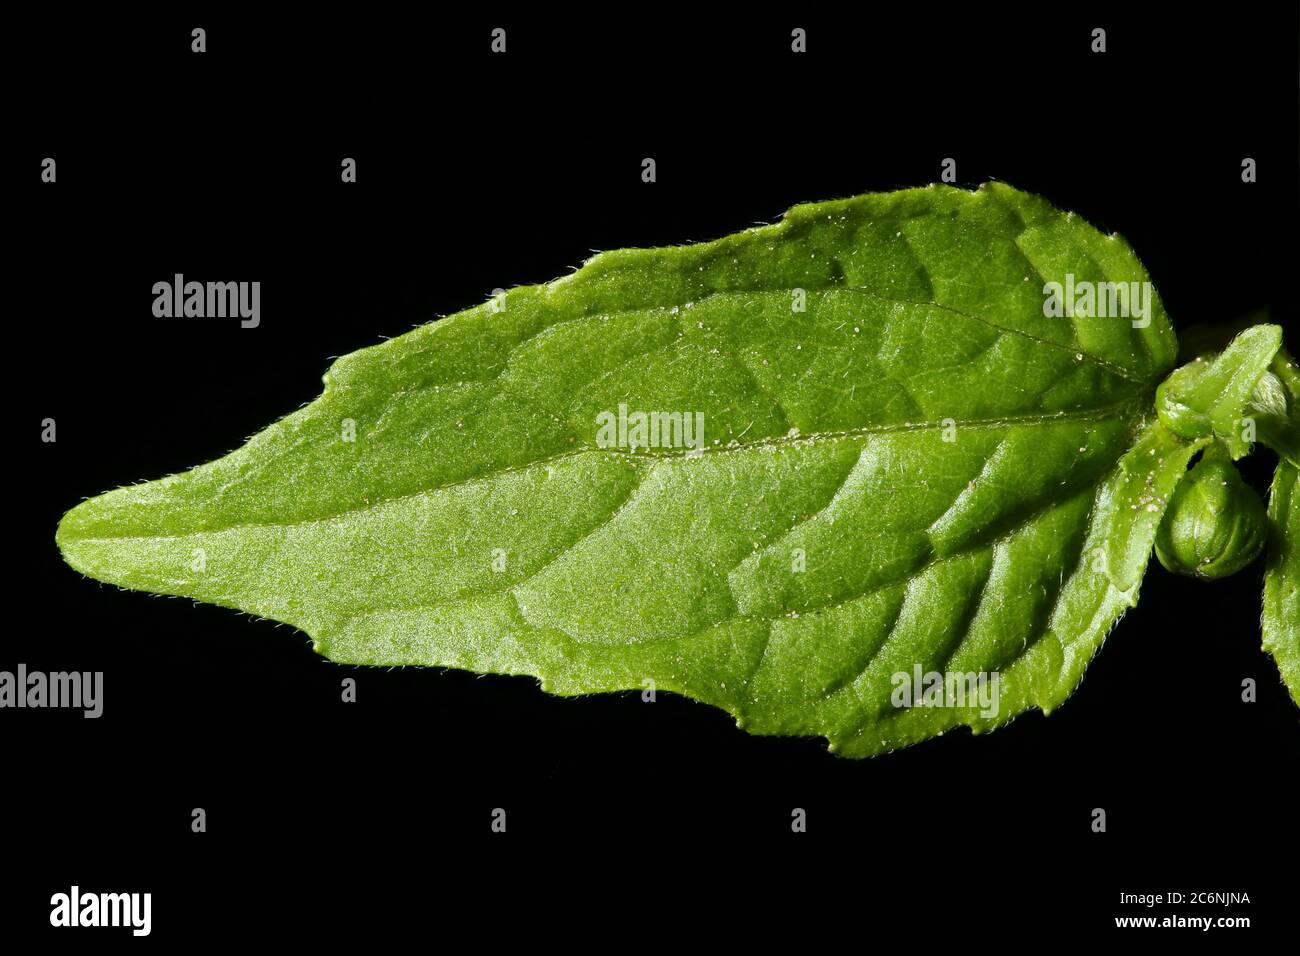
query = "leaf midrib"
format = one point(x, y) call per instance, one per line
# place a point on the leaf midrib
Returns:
point(1102, 413)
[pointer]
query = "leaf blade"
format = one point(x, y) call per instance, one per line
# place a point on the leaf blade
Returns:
point(822, 421)
point(1281, 621)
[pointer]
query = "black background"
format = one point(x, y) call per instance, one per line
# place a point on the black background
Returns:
point(479, 171)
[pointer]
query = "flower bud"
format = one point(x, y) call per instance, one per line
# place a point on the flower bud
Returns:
point(1215, 524)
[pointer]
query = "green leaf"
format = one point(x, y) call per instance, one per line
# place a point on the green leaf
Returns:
point(1147, 478)
point(1282, 578)
point(906, 465)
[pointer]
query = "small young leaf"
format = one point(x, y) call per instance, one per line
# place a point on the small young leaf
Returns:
point(908, 466)
point(1206, 398)
point(1275, 407)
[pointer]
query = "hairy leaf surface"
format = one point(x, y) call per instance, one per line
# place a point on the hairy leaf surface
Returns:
point(906, 464)
point(1282, 578)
